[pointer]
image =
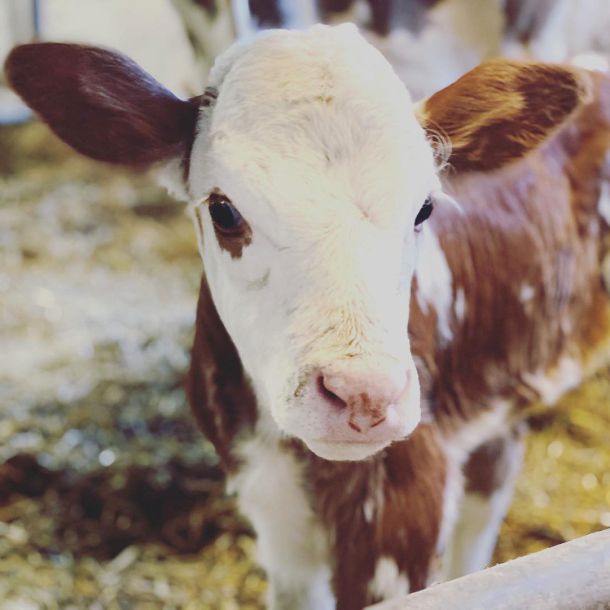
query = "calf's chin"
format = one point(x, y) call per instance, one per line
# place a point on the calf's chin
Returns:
point(345, 452)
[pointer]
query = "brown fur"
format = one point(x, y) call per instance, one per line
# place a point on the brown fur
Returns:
point(406, 502)
point(407, 499)
point(500, 110)
point(266, 13)
point(491, 464)
point(535, 223)
point(234, 244)
point(101, 103)
point(220, 396)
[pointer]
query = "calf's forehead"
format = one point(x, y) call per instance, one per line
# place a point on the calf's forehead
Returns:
point(315, 110)
point(282, 70)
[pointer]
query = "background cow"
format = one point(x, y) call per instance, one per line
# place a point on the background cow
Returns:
point(430, 43)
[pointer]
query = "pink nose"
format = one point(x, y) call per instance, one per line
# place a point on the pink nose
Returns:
point(366, 397)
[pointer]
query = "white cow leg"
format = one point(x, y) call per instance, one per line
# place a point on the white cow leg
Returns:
point(490, 474)
point(292, 545)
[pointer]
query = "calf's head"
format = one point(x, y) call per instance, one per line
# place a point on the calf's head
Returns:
point(309, 176)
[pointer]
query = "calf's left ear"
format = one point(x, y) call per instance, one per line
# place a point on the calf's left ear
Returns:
point(101, 103)
point(502, 109)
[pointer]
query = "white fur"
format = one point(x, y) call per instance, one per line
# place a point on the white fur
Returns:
point(346, 452)
point(374, 503)
point(434, 281)
point(526, 293)
point(606, 271)
point(388, 581)
point(459, 307)
point(452, 496)
point(574, 26)
point(476, 530)
point(368, 508)
point(551, 385)
point(245, 26)
point(292, 544)
point(298, 13)
point(603, 203)
point(458, 445)
point(169, 176)
point(470, 524)
point(329, 168)
point(491, 423)
point(591, 61)
point(457, 35)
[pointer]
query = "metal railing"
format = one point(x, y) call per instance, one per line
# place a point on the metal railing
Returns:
point(570, 576)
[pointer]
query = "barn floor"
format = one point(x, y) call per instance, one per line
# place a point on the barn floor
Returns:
point(109, 496)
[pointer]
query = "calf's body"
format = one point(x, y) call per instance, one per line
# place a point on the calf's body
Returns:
point(519, 315)
point(325, 289)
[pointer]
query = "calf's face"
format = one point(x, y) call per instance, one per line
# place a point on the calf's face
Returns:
point(309, 178)
point(306, 196)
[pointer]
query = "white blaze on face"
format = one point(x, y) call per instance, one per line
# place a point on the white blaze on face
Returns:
point(314, 141)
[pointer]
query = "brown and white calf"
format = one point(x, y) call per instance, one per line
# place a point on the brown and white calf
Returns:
point(310, 177)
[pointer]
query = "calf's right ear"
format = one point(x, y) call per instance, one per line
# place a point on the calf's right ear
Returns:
point(102, 104)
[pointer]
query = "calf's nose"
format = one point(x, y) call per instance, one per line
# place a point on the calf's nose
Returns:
point(365, 396)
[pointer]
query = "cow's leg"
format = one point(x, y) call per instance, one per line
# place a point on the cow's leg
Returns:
point(490, 473)
point(291, 543)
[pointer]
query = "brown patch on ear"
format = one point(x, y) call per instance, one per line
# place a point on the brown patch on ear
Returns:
point(101, 103)
point(503, 109)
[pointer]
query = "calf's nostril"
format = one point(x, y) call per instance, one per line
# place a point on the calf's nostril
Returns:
point(354, 426)
point(364, 422)
point(378, 421)
point(329, 394)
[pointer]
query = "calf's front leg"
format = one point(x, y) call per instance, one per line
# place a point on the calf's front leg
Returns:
point(291, 543)
point(490, 474)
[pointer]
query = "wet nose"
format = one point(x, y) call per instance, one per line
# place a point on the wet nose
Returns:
point(366, 396)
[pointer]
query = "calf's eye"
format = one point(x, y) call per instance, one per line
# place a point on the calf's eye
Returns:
point(424, 212)
point(224, 215)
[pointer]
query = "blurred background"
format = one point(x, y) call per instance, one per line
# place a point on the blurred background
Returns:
point(110, 498)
